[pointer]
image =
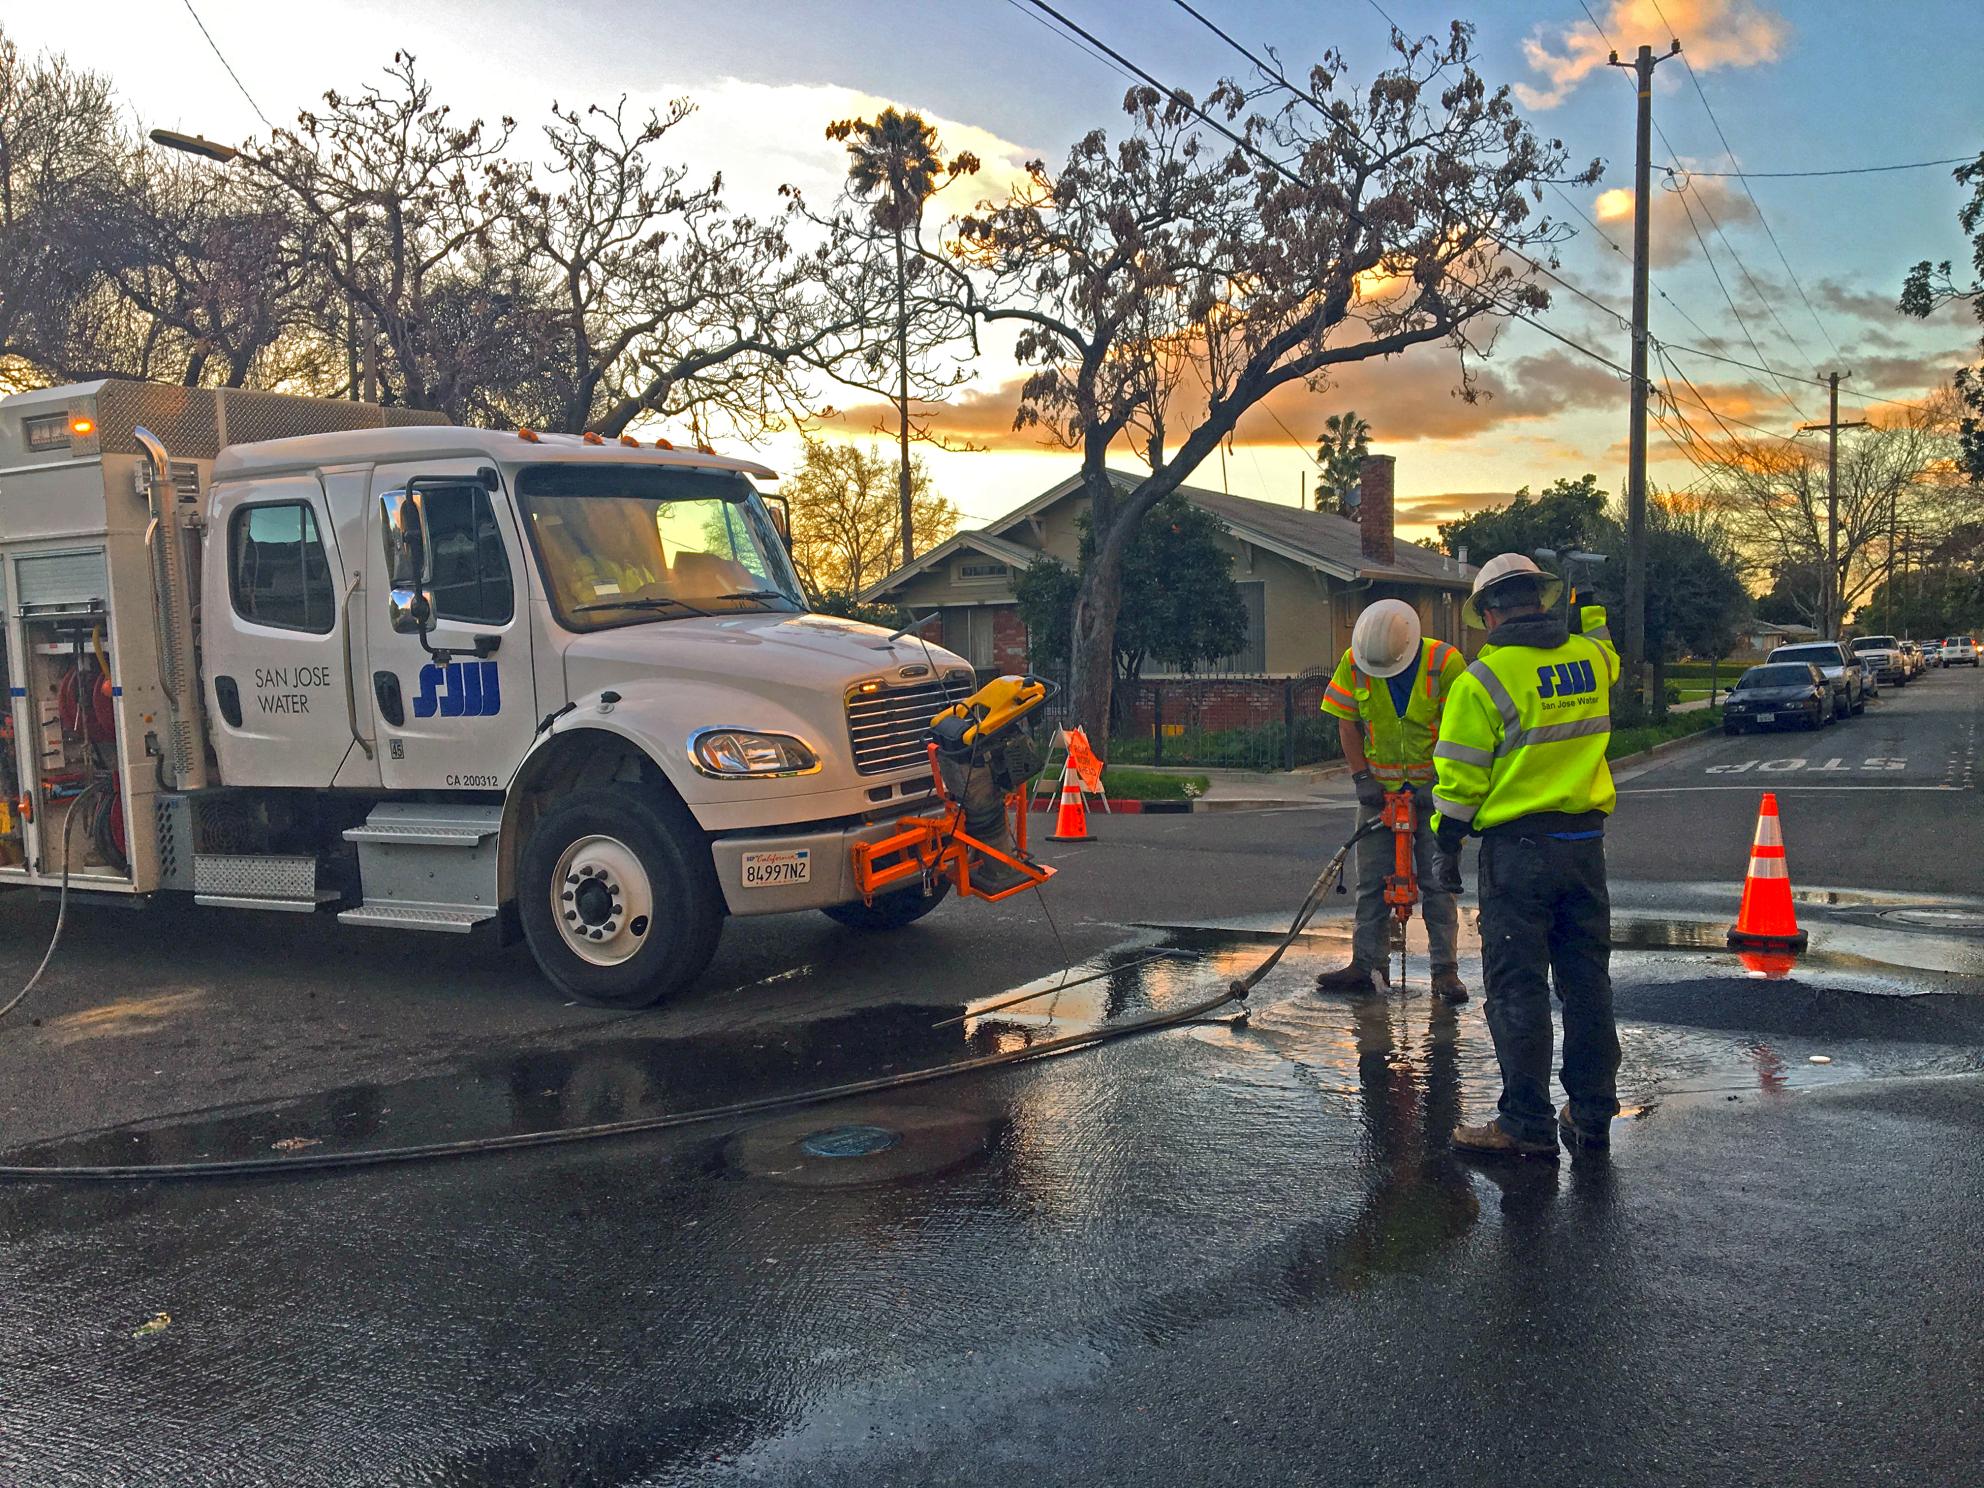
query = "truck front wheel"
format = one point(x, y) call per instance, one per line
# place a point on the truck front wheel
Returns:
point(618, 902)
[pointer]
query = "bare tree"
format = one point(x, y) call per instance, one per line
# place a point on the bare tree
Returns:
point(1894, 479)
point(1341, 227)
point(844, 516)
point(61, 156)
point(411, 215)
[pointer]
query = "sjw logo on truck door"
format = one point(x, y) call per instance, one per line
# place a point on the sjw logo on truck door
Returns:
point(461, 689)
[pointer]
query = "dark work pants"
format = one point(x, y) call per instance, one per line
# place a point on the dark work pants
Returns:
point(1546, 912)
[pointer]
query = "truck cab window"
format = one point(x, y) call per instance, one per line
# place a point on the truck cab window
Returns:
point(277, 571)
point(471, 569)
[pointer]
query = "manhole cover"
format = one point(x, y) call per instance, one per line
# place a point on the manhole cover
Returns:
point(881, 1143)
point(850, 1141)
point(1938, 919)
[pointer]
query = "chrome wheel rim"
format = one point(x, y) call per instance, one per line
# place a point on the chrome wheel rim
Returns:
point(601, 900)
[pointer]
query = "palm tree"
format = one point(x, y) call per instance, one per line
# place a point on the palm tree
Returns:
point(893, 165)
point(1341, 453)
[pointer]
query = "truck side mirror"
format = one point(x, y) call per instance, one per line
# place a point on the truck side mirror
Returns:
point(780, 511)
point(409, 560)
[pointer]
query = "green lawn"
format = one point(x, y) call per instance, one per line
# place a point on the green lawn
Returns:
point(1677, 726)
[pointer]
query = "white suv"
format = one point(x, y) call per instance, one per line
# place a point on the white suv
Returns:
point(1959, 651)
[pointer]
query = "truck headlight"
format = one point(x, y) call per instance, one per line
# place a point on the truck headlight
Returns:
point(729, 753)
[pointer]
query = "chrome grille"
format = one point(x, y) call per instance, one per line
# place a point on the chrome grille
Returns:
point(890, 729)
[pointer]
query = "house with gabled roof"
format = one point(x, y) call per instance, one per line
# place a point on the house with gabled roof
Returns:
point(1303, 575)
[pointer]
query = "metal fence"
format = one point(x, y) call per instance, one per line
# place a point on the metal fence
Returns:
point(1228, 722)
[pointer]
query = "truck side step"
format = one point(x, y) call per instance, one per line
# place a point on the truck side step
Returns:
point(258, 881)
point(427, 866)
point(405, 917)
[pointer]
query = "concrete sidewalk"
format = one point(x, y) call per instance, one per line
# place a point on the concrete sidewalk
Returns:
point(1328, 785)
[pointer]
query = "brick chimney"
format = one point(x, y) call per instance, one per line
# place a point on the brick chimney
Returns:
point(1374, 509)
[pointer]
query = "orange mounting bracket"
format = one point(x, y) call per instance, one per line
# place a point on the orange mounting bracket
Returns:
point(926, 848)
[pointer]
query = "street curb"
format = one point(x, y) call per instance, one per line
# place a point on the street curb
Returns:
point(1669, 746)
point(1123, 808)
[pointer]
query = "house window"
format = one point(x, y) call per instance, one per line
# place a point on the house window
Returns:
point(983, 572)
point(276, 569)
point(968, 631)
point(471, 569)
point(1252, 658)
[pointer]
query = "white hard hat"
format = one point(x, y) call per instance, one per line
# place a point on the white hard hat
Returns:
point(1509, 566)
point(1385, 638)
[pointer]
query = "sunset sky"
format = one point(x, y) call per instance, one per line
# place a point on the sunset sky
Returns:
point(1803, 86)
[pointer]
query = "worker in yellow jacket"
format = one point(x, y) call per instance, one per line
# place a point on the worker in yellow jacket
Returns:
point(1521, 763)
point(1386, 697)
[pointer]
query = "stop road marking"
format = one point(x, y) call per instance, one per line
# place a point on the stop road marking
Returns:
point(1787, 766)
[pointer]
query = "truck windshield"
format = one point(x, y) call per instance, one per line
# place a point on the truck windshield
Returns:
point(1827, 655)
point(630, 544)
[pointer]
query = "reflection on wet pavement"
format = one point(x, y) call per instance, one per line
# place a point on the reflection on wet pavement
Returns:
point(1430, 1062)
point(743, 1294)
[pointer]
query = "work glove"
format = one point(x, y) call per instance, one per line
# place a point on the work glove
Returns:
point(1446, 858)
point(1370, 794)
point(1446, 870)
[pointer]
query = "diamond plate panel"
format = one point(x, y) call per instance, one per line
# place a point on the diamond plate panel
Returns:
point(255, 876)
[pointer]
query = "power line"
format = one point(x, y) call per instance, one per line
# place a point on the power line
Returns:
point(1612, 243)
point(227, 64)
point(1701, 93)
point(1748, 278)
point(1046, 25)
point(1794, 377)
point(1730, 300)
point(1855, 170)
point(1706, 255)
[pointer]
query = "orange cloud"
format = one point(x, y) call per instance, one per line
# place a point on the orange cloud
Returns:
point(1403, 398)
point(1714, 33)
point(1671, 236)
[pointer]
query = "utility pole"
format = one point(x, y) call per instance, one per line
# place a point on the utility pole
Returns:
point(1829, 591)
point(1634, 630)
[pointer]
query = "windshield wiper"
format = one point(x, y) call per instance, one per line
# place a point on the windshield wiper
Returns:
point(645, 602)
point(759, 594)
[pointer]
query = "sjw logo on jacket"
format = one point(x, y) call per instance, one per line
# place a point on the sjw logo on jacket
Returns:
point(461, 689)
point(1566, 679)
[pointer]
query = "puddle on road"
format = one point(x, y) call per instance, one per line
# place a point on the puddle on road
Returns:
point(1328, 1043)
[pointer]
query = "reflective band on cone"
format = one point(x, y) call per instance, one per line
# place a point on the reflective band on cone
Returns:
point(1767, 921)
point(1071, 821)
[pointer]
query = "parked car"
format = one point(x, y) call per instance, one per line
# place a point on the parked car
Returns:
point(1913, 659)
point(1959, 651)
point(1779, 695)
point(1870, 679)
point(1847, 679)
point(1883, 654)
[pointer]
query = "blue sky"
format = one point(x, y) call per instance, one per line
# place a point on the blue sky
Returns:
point(1797, 85)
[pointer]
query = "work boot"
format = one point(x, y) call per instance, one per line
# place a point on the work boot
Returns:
point(990, 876)
point(1357, 978)
point(1449, 988)
point(1578, 1136)
point(1492, 1139)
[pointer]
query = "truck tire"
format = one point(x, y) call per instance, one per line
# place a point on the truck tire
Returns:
point(889, 911)
point(617, 896)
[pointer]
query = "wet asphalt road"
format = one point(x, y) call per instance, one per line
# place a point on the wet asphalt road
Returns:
point(1222, 1254)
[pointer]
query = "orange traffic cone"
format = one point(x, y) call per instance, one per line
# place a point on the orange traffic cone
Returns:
point(1071, 821)
point(1766, 921)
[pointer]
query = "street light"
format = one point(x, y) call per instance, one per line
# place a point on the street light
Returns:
point(206, 149)
point(193, 144)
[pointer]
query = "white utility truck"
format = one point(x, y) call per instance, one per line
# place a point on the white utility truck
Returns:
point(280, 653)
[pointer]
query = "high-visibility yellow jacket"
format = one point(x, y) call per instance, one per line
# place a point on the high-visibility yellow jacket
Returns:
point(1400, 748)
point(1526, 726)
